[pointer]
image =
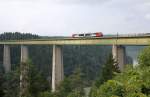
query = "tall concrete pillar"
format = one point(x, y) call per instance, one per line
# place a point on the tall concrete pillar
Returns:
point(119, 55)
point(57, 67)
point(24, 53)
point(24, 69)
point(6, 58)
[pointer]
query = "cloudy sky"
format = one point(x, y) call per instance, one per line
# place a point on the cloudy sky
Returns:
point(64, 17)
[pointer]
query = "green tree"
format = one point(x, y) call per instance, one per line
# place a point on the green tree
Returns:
point(77, 84)
point(132, 82)
point(76, 93)
point(37, 82)
point(65, 88)
point(11, 84)
point(144, 57)
point(108, 71)
point(46, 94)
point(1, 81)
point(72, 85)
point(76, 79)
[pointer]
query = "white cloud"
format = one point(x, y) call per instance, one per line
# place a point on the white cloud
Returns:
point(63, 17)
point(90, 2)
point(147, 16)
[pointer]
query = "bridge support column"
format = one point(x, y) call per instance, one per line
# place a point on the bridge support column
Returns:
point(57, 67)
point(6, 58)
point(24, 69)
point(24, 53)
point(119, 55)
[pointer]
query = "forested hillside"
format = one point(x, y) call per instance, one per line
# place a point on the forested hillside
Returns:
point(17, 36)
point(88, 58)
point(84, 66)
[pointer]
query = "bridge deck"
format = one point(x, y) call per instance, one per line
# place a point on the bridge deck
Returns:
point(142, 40)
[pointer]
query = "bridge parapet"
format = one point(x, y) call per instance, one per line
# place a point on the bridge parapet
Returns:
point(83, 41)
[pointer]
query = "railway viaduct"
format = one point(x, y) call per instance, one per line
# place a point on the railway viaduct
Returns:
point(117, 43)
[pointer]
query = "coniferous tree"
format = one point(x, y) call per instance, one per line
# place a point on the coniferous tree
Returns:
point(1, 82)
point(72, 85)
point(107, 71)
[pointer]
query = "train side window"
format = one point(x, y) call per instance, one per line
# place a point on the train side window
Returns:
point(81, 34)
point(87, 34)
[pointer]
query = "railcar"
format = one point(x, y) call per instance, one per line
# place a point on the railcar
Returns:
point(96, 34)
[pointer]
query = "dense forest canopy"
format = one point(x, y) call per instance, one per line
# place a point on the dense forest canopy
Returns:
point(41, 58)
point(17, 36)
point(84, 66)
point(74, 56)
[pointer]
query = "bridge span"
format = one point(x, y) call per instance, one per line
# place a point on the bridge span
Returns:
point(141, 40)
point(118, 51)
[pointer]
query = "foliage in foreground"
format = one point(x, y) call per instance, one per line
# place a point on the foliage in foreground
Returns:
point(132, 82)
point(72, 86)
point(144, 57)
point(11, 83)
point(108, 72)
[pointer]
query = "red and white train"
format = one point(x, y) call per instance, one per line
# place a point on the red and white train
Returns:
point(96, 34)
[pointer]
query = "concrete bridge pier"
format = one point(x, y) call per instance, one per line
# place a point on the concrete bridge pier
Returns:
point(57, 67)
point(24, 68)
point(119, 55)
point(24, 53)
point(6, 58)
